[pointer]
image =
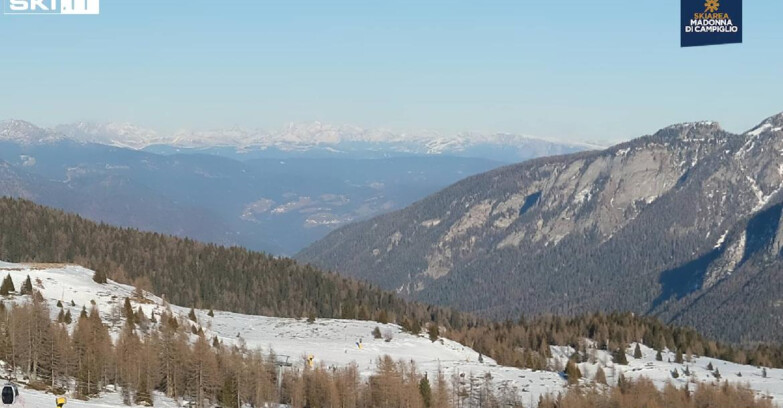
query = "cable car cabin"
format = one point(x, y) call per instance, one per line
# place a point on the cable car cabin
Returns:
point(9, 394)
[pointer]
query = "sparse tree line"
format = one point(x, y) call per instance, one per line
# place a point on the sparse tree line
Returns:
point(525, 343)
point(174, 357)
point(642, 393)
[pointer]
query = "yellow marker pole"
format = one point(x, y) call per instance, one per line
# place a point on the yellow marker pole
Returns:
point(60, 402)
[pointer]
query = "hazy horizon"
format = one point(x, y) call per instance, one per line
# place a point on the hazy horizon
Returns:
point(556, 70)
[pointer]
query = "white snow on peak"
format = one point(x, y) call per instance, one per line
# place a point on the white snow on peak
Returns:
point(291, 137)
point(771, 124)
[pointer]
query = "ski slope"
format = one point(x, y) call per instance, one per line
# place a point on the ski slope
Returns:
point(335, 342)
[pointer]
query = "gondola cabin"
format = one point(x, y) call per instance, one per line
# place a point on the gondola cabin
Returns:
point(9, 394)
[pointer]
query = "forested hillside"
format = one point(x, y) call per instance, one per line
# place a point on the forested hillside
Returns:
point(207, 276)
point(190, 273)
point(684, 225)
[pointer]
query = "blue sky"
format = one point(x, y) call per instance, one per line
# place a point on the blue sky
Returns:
point(578, 70)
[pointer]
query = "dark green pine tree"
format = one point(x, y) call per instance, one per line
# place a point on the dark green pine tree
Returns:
point(228, 393)
point(619, 356)
point(99, 276)
point(637, 352)
point(7, 287)
point(658, 355)
point(67, 319)
point(433, 331)
point(127, 311)
point(376, 333)
point(27, 287)
point(678, 357)
point(426, 391)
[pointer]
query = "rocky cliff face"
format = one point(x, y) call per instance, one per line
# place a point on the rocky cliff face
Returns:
point(683, 224)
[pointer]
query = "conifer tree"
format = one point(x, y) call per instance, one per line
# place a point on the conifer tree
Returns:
point(192, 315)
point(619, 356)
point(434, 332)
point(140, 318)
point(27, 287)
point(376, 333)
point(426, 391)
point(637, 352)
point(572, 372)
point(99, 276)
point(8, 286)
point(658, 355)
point(600, 376)
point(127, 311)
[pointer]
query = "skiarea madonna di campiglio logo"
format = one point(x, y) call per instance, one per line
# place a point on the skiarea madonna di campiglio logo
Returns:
point(711, 22)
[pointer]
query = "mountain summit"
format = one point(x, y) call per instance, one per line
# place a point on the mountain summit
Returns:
point(683, 224)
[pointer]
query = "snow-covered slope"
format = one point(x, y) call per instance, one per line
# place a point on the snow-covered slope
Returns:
point(335, 342)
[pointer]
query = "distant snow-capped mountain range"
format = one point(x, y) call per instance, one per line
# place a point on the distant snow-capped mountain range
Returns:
point(297, 137)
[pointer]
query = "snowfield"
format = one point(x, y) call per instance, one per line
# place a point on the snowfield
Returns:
point(334, 342)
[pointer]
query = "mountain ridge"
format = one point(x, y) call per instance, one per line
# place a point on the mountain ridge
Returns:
point(632, 227)
point(296, 139)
